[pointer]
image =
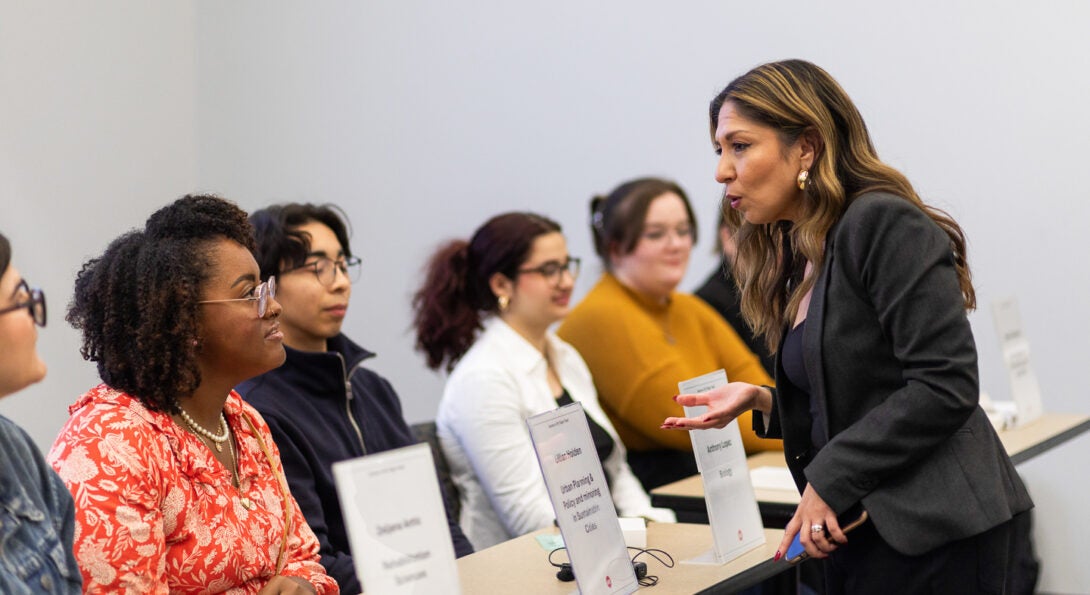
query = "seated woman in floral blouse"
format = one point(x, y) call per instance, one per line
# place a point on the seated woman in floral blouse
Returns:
point(177, 483)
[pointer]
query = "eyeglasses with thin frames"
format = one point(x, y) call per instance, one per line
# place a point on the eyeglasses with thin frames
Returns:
point(325, 269)
point(261, 294)
point(35, 303)
point(553, 271)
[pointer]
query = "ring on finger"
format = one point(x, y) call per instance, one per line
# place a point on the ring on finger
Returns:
point(817, 528)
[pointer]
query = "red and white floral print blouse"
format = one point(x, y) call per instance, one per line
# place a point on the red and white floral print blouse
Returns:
point(157, 513)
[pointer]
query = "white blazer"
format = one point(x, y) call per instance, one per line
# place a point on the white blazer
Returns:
point(482, 429)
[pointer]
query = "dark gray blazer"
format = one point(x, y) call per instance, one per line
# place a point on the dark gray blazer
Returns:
point(890, 354)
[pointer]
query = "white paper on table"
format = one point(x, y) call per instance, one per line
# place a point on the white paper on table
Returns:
point(396, 522)
point(1014, 345)
point(732, 507)
point(581, 500)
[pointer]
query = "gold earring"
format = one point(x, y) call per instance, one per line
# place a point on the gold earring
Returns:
point(503, 302)
point(804, 176)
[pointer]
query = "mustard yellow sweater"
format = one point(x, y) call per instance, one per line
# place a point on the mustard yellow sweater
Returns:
point(638, 350)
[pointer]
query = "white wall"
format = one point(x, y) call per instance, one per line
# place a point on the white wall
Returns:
point(97, 129)
point(424, 118)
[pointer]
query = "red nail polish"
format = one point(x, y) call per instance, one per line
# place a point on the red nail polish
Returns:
point(777, 558)
point(675, 398)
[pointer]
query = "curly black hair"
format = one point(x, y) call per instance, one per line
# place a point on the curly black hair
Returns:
point(137, 303)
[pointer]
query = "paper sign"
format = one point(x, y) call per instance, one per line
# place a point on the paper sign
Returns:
point(584, 507)
point(732, 507)
point(397, 526)
point(1015, 348)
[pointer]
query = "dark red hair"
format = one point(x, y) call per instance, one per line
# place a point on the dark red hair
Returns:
point(449, 306)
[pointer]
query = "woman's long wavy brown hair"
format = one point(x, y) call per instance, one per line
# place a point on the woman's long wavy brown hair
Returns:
point(796, 97)
point(450, 306)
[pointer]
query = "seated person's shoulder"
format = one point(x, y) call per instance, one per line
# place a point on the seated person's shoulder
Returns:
point(477, 373)
point(104, 410)
point(692, 303)
point(247, 409)
point(692, 306)
point(596, 316)
point(265, 398)
point(109, 428)
point(14, 441)
point(475, 389)
point(257, 389)
point(369, 376)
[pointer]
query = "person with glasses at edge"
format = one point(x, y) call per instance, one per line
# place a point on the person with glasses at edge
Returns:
point(177, 482)
point(483, 313)
point(37, 519)
point(322, 405)
point(640, 336)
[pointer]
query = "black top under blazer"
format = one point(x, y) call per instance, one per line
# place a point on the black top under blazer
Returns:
point(890, 354)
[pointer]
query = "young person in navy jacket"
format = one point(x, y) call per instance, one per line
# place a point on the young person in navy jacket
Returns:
point(322, 405)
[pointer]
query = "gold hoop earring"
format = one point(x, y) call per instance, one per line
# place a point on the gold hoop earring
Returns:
point(804, 176)
point(503, 301)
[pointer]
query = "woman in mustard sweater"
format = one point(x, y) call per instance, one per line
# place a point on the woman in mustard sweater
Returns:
point(640, 337)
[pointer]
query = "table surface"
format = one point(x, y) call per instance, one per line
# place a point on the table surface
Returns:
point(520, 565)
point(1022, 444)
point(1043, 434)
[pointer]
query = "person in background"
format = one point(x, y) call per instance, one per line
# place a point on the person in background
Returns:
point(640, 336)
point(721, 293)
point(37, 519)
point(484, 311)
point(862, 290)
point(322, 405)
point(177, 482)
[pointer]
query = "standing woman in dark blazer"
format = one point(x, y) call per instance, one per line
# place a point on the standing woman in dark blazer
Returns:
point(862, 291)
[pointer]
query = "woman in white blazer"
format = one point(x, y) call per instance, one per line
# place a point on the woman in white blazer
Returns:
point(484, 312)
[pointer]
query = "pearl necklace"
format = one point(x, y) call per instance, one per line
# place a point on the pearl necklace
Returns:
point(217, 439)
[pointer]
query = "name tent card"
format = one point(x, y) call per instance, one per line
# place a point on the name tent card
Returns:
point(732, 506)
point(397, 526)
point(584, 507)
point(1015, 347)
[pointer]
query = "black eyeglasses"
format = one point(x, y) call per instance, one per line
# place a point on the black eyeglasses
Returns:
point(260, 294)
point(326, 269)
point(35, 303)
point(553, 271)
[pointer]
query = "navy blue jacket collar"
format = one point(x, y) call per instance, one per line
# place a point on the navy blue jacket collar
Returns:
point(341, 356)
point(322, 369)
